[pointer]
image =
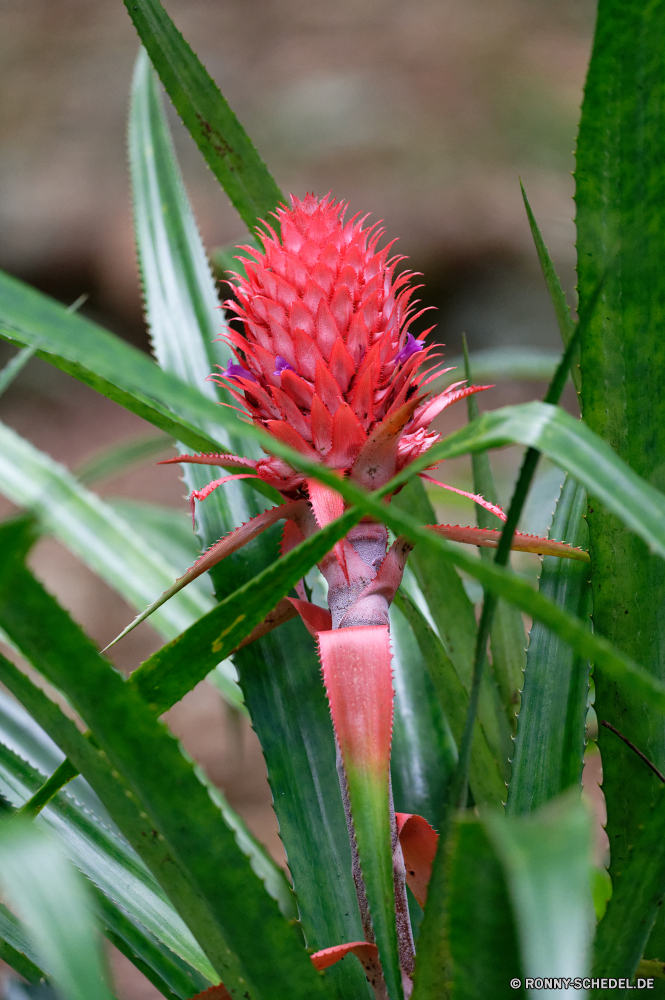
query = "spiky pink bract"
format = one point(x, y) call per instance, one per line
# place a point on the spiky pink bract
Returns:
point(325, 359)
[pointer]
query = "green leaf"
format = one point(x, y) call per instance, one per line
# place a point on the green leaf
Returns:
point(637, 894)
point(111, 366)
point(313, 830)
point(527, 874)
point(16, 948)
point(219, 135)
point(227, 902)
point(549, 747)
point(484, 952)
point(281, 679)
point(14, 366)
point(20, 733)
point(177, 667)
point(570, 444)
point(182, 310)
point(423, 751)
point(507, 638)
point(557, 295)
point(106, 859)
point(620, 195)
point(172, 977)
point(117, 459)
point(454, 617)
point(52, 900)
point(92, 531)
point(486, 779)
point(546, 858)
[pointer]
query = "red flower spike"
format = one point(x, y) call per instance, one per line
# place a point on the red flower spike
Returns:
point(419, 843)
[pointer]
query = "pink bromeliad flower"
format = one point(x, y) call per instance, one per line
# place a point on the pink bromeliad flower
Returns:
point(325, 362)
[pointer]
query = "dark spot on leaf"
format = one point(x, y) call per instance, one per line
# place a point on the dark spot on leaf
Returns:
point(412, 873)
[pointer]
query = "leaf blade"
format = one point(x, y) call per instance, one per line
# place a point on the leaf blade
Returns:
point(222, 140)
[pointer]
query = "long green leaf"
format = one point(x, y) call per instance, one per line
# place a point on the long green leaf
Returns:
point(620, 195)
point(230, 901)
point(164, 921)
point(112, 367)
point(637, 894)
point(14, 366)
point(169, 974)
point(507, 638)
point(484, 952)
point(117, 459)
point(53, 902)
point(545, 866)
point(288, 706)
point(549, 747)
point(486, 780)
point(213, 126)
point(313, 830)
point(557, 295)
point(423, 753)
point(108, 861)
point(454, 617)
point(16, 948)
point(546, 859)
point(90, 529)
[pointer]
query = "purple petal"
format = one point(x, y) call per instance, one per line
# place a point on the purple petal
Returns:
point(282, 365)
point(411, 347)
point(237, 371)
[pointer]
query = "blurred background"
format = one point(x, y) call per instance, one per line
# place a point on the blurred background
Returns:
point(424, 114)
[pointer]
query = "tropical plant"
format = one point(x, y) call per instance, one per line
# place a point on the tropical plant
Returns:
point(407, 876)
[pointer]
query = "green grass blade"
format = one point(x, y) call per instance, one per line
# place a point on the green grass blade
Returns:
point(14, 366)
point(94, 532)
point(637, 894)
point(117, 459)
point(570, 444)
point(112, 367)
point(169, 974)
point(546, 859)
point(423, 753)
point(56, 908)
point(549, 747)
point(484, 952)
point(177, 667)
point(454, 617)
point(20, 733)
point(182, 311)
point(16, 948)
point(487, 781)
point(557, 294)
point(229, 894)
point(103, 855)
point(507, 638)
point(620, 195)
point(124, 885)
point(282, 682)
point(211, 122)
